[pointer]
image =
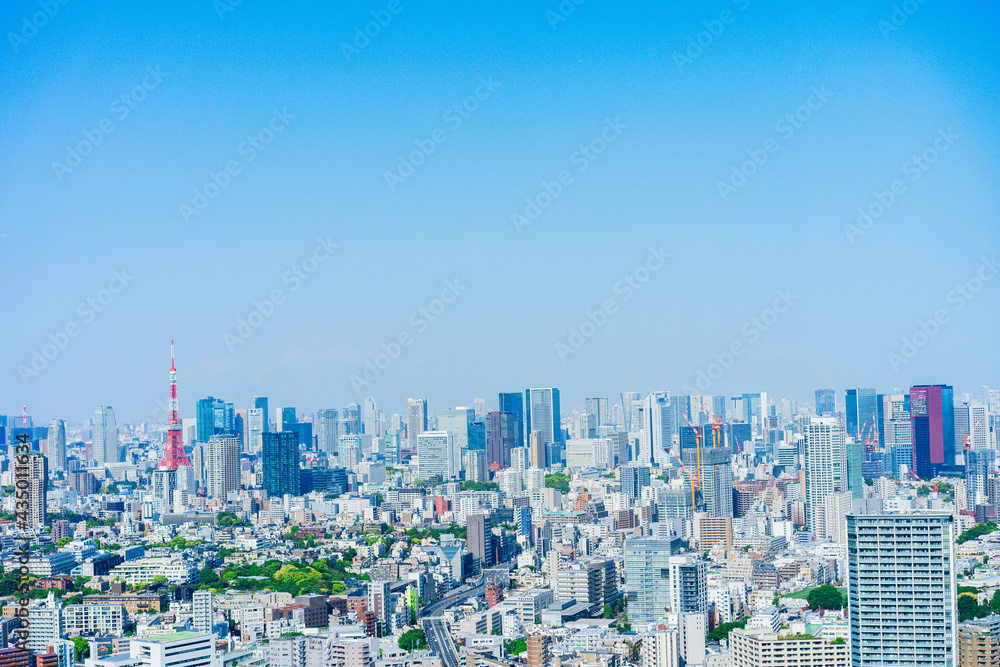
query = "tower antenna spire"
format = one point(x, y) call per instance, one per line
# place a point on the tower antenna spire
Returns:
point(174, 455)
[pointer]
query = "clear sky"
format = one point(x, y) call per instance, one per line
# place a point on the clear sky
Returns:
point(613, 120)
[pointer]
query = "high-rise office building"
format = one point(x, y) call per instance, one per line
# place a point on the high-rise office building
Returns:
point(190, 649)
point(932, 429)
point(327, 428)
point(480, 405)
point(352, 420)
point(257, 418)
point(513, 403)
point(979, 467)
point(474, 465)
point(716, 481)
point(457, 421)
point(214, 417)
point(901, 589)
point(438, 454)
point(826, 468)
point(480, 539)
point(755, 410)
point(56, 445)
point(501, 438)
point(260, 403)
point(204, 610)
point(656, 427)
point(542, 413)
point(280, 457)
point(656, 582)
point(391, 446)
point(633, 479)
point(416, 418)
point(104, 435)
point(597, 415)
point(222, 465)
point(861, 414)
point(537, 452)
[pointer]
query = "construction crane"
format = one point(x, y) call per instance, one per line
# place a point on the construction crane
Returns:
point(697, 439)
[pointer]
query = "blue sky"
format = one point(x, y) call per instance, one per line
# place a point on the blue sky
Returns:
point(682, 126)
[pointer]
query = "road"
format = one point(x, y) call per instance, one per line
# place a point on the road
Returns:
point(436, 629)
point(439, 641)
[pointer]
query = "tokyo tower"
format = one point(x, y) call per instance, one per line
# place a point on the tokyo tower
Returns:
point(173, 456)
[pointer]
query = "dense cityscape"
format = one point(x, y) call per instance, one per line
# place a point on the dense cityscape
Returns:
point(644, 529)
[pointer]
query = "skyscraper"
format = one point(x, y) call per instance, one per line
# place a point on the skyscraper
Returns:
point(391, 446)
point(537, 452)
point(901, 590)
point(755, 411)
point(416, 418)
point(658, 583)
point(656, 427)
point(352, 420)
point(104, 436)
point(826, 402)
point(513, 403)
point(260, 403)
point(280, 456)
point(257, 418)
point(826, 468)
point(327, 429)
point(480, 539)
point(633, 479)
point(56, 446)
point(222, 465)
point(542, 413)
point(34, 468)
point(627, 400)
point(501, 437)
point(457, 421)
point(932, 428)
point(861, 412)
point(437, 454)
point(597, 415)
point(716, 480)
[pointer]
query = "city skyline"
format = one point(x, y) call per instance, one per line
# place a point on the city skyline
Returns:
point(612, 205)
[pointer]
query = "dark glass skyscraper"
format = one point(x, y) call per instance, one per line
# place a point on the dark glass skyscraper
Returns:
point(501, 437)
point(280, 454)
point(513, 403)
point(260, 402)
point(932, 426)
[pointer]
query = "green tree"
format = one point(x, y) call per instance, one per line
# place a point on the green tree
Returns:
point(82, 647)
point(825, 597)
point(969, 608)
point(978, 530)
point(207, 577)
point(558, 481)
point(995, 602)
point(515, 646)
point(722, 632)
point(608, 611)
point(413, 640)
point(159, 579)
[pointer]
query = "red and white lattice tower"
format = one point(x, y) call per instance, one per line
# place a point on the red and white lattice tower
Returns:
point(173, 456)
